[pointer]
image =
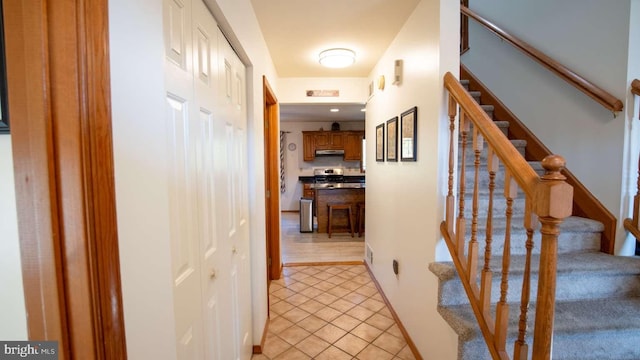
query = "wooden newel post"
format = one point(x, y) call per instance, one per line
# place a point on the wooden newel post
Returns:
point(553, 203)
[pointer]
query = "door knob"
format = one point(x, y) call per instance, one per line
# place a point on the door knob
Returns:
point(234, 250)
point(212, 274)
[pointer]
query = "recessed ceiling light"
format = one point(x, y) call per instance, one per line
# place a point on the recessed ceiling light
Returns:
point(337, 58)
point(363, 109)
point(334, 110)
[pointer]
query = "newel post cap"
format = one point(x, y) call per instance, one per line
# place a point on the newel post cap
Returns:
point(554, 197)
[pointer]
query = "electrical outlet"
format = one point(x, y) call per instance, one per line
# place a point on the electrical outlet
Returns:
point(369, 254)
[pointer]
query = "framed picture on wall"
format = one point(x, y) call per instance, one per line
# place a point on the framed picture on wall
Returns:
point(408, 134)
point(380, 142)
point(392, 139)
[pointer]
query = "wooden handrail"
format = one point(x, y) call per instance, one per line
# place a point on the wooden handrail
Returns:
point(596, 93)
point(635, 87)
point(548, 198)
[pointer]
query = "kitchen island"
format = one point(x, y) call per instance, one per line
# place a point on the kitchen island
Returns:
point(345, 193)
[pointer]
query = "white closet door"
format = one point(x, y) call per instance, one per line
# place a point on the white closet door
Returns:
point(214, 253)
point(232, 110)
point(206, 151)
point(181, 112)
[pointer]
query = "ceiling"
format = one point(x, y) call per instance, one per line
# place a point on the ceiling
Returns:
point(321, 112)
point(297, 30)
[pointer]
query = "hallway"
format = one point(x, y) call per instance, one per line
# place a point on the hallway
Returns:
point(300, 247)
point(330, 312)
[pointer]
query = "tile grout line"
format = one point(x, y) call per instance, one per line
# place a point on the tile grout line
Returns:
point(346, 273)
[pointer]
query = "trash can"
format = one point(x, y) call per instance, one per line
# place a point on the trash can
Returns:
point(306, 215)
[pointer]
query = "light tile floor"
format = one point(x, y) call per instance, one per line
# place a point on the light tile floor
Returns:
point(330, 312)
point(300, 247)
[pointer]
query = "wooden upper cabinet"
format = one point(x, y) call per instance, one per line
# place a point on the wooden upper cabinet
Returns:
point(349, 141)
point(309, 146)
point(353, 145)
point(329, 140)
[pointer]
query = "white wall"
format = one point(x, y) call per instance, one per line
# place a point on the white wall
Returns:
point(139, 136)
point(13, 317)
point(294, 90)
point(137, 73)
point(589, 37)
point(405, 200)
point(295, 165)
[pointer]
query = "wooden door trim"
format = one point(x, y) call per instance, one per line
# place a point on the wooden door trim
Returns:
point(59, 100)
point(272, 201)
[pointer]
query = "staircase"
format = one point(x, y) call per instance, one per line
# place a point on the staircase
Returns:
point(597, 313)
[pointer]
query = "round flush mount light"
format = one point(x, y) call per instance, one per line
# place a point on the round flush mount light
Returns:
point(337, 58)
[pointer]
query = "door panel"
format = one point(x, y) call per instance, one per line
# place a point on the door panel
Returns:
point(206, 147)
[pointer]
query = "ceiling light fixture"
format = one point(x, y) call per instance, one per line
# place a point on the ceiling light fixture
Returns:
point(334, 110)
point(337, 58)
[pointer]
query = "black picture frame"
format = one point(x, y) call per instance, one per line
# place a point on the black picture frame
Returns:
point(4, 105)
point(408, 135)
point(392, 139)
point(380, 142)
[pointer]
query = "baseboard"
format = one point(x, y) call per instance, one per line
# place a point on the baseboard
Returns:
point(257, 349)
point(404, 332)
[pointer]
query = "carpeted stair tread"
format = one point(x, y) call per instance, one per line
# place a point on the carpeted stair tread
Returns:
point(570, 263)
point(587, 329)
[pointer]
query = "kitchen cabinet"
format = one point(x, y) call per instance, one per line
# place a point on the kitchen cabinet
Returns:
point(308, 146)
point(307, 191)
point(353, 145)
point(349, 141)
point(329, 140)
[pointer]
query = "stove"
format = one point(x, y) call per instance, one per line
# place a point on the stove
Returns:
point(324, 176)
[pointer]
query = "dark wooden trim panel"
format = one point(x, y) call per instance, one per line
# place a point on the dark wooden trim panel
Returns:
point(35, 180)
point(104, 261)
point(272, 180)
point(596, 93)
point(59, 98)
point(257, 349)
point(584, 203)
point(464, 29)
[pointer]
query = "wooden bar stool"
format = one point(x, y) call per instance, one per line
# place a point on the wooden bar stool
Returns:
point(360, 218)
point(340, 206)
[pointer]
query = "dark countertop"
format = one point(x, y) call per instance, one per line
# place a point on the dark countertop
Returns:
point(345, 185)
point(347, 179)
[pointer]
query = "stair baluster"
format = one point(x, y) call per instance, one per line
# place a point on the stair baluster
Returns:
point(502, 311)
point(461, 223)
point(548, 197)
point(472, 256)
point(521, 348)
point(453, 107)
point(485, 285)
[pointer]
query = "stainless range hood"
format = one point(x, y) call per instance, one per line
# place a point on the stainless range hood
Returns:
point(339, 152)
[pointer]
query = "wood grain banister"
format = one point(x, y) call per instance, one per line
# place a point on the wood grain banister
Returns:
point(526, 177)
point(596, 93)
